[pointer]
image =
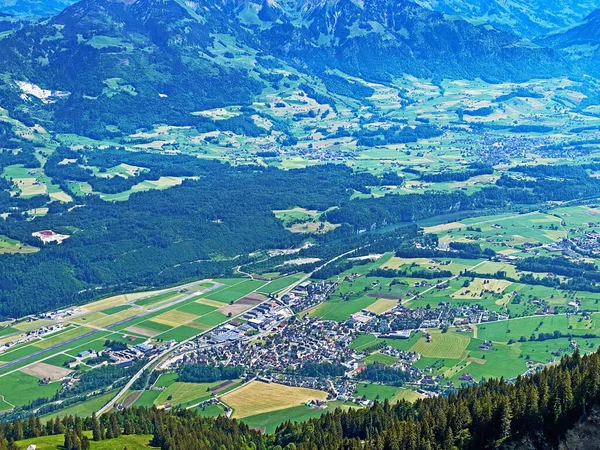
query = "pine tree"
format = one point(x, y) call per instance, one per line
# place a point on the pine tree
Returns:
point(58, 427)
point(68, 443)
point(96, 430)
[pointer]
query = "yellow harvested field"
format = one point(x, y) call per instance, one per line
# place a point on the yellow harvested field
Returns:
point(30, 186)
point(207, 302)
point(61, 197)
point(110, 319)
point(444, 227)
point(381, 306)
point(26, 325)
point(477, 286)
point(43, 370)
point(395, 262)
point(174, 318)
point(257, 398)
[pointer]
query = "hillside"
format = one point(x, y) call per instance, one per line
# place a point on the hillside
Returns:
point(580, 43)
point(34, 7)
point(380, 39)
point(525, 18)
point(555, 407)
point(121, 65)
point(134, 64)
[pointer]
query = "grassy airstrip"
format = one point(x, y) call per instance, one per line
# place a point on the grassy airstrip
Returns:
point(179, 314)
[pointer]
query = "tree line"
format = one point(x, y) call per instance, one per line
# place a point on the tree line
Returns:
point(536, 410)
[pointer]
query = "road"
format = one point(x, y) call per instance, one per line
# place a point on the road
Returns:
point(170, 351)
point(38, 353)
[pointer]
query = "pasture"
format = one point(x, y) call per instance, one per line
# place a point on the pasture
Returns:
point(179, 334)
point(13, 246)
point(237, 291)
point(83, 409)
point(18, 388)
point(267, 422)
point(374, 391)
point(339, 309)
point(131, 442)
point(184, 394)
point(443, 345)
point(380, 358)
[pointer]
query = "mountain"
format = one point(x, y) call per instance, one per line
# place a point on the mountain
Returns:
point(113, 66)
point(580, 43)
point(527, 18)
point(9, 23)
point(380, 39)
point(146, 61)
point(34, 7)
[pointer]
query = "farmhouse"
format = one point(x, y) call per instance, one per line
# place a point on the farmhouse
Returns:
point(48, 236)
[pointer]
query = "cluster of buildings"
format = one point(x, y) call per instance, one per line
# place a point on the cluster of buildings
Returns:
point(32, 335)
point(307, 295)
point(400, 321)
point(121, 357)
point(260, 319)
point(49, 236)
point(60, 314)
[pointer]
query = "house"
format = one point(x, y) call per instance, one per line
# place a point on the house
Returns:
point(467, 377)
point(32, 447)
point(47, 236)
point(86, 354)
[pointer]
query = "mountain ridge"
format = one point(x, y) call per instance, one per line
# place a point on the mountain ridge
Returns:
point(157, 61)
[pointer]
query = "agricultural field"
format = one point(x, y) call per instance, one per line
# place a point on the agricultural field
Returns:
point(257, 398)
point(12, 246)
point(526, 337)
point(174, 315)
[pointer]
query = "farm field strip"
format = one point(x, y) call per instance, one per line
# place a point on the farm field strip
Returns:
point(61, 346)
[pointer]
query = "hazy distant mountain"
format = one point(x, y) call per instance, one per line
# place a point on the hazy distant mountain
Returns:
point(383, 38)
point(528, 18)
point(580, 42)
point(130, 63)
point(34, 7)
point(145, 62)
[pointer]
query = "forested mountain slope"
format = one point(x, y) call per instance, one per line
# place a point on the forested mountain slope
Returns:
point(131, 64)
point(379, 39)
point(34, 7)
point(525, 18)
point(580, 43)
